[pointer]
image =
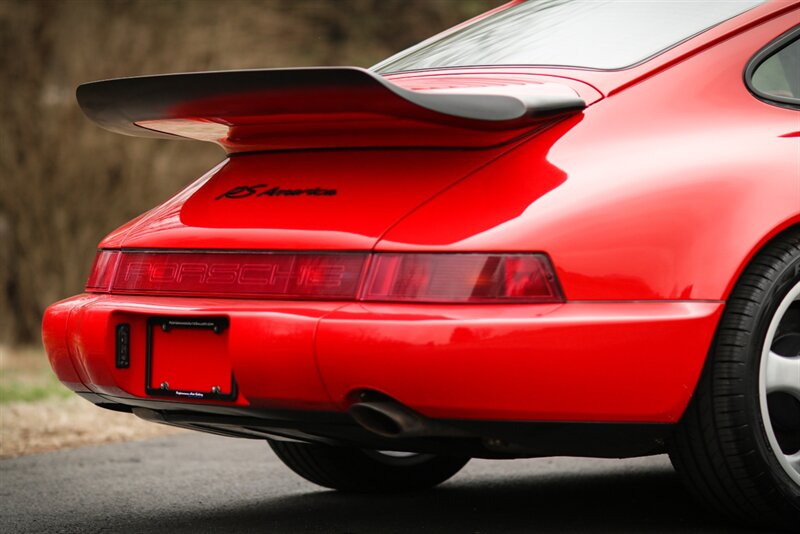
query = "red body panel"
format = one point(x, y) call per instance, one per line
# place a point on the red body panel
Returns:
point(649, 204)
point(574, 362)
point(511, 362)
point(362, 208)
point(270, 345)
point(648, 195)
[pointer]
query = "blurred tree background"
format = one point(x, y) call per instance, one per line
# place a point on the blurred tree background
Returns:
point(65, 183)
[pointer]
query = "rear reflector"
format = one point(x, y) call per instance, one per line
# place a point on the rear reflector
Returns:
point(440, 278)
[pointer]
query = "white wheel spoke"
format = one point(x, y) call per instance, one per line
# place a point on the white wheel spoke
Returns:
point(783, 374)
point(794, 461)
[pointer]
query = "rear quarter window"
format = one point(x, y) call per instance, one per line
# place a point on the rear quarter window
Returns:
point(774, 73)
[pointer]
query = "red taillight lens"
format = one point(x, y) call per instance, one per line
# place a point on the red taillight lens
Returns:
point(248, 275)
point(478, 278)
point(391, 277)
point(103, 269)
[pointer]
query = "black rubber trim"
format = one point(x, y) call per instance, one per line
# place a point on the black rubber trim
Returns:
point(118, 104)
point(775, 46)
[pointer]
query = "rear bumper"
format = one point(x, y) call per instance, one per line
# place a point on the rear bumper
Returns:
point(576, 362)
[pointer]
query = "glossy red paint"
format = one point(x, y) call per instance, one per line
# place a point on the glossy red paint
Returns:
point(613, 195)
point(649, 204)
point(269, 345)
point(572, 362)
point(352, 219)
point(517, 362)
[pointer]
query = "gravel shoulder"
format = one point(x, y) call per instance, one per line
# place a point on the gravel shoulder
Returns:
point(38, 414)
point(53, 424)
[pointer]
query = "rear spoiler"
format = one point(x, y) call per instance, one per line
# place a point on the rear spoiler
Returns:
point(268, 109)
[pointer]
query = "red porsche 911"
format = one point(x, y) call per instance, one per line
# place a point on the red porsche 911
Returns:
point(561, 228)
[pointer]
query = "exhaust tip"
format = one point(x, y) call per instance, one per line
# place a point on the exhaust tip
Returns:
point(389, 418)
point(376, 420)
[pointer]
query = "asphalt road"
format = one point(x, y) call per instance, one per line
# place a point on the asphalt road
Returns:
point(202, 483)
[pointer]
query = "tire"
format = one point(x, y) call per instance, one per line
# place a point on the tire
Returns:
point(360, 471)
point(737, 447)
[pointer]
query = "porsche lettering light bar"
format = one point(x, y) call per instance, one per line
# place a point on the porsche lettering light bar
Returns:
point(348, 276)
point(239, 275)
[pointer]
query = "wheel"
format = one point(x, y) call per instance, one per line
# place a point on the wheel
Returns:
point(737, 446)
point(357, 470)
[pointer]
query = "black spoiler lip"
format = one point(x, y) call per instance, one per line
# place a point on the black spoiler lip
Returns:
point(225, 97)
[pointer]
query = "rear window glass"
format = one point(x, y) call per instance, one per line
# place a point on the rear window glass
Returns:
point(596, 34)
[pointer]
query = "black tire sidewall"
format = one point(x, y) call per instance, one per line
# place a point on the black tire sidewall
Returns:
point(351, 469)
point(786, 279)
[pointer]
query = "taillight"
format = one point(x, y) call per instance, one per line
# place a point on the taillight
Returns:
point(102, 273)
point(454, 278)
point(390, 277)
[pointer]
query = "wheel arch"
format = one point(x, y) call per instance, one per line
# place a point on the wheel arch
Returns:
point(789, 225)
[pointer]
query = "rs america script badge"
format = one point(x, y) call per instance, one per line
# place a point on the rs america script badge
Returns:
point(263, 190)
